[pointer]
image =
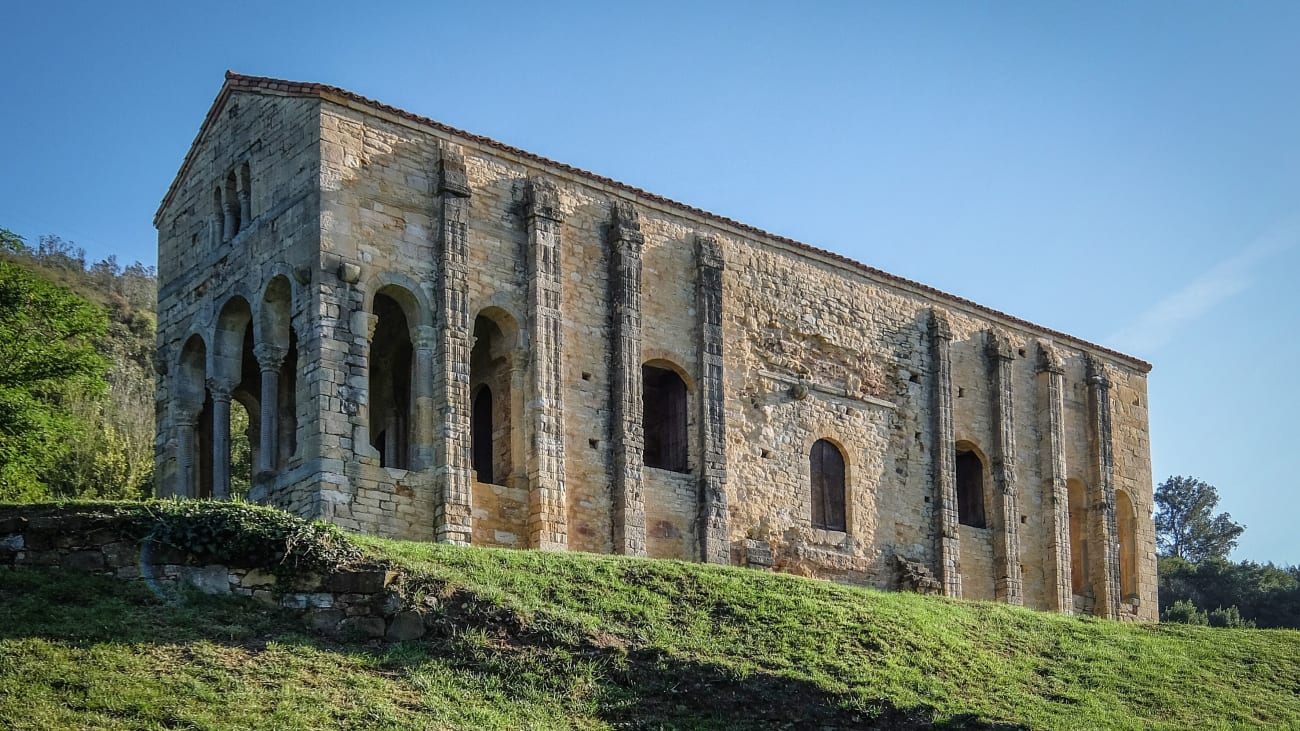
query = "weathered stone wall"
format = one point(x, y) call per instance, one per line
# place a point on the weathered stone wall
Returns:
point(585, 281)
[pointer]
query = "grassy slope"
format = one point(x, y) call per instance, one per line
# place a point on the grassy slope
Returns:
point(532, 640)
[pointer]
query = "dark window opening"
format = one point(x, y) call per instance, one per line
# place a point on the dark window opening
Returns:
point(827, 471)
point(664, 418)
point(970, 490)
point(390, 385)
point(480, 435)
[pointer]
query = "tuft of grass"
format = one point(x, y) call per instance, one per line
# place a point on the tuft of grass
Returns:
point(531, 640)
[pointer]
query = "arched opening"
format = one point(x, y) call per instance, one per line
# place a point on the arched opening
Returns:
point(1080, 581)
point(491, 366)
point(193, 422)
point(390, 381)
point(1126, 518)
point(277, 331)
point(480, 434)
point(970, 487)
point(828, 479)
point(664, 418)
point(233, 224)
point(243, 445)
point(235, 370)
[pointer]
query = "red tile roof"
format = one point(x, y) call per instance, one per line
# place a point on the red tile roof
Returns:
point(240, 82)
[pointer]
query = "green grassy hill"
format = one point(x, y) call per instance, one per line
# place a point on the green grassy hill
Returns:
point(552, 641)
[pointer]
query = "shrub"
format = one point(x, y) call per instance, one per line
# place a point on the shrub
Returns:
point(1229, 617)
point(1184, 612)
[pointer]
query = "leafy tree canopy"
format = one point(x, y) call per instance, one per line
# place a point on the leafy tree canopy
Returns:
point(1186, 526)
point(47, 359)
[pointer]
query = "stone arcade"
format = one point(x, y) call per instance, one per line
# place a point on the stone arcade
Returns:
point(439, 337)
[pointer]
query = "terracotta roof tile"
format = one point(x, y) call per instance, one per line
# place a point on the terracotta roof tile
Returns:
point(240, 82)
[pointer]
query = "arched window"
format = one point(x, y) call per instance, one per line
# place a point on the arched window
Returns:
point(390, 382)
point(1125, 518)
point(827, 472)
point(664, 418)
point(1079, 560)
point(970, 489)
point(480, 435)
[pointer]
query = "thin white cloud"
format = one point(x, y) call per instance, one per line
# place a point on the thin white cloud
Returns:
point(1161, 322)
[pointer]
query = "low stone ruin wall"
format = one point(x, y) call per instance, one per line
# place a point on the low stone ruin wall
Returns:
point(358, 602)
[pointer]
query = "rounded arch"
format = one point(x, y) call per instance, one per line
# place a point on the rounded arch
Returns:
point(666, 361)
point(665, 417)
point(226, 358)
point(192, 371)
point(970, 467)
point(1126, 528)
point(505, 322)
point(274, 321)
point(1080, 560)
point(828, 475)
point(406, 293)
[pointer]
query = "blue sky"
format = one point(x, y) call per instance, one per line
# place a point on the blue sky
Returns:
point(1126, 172)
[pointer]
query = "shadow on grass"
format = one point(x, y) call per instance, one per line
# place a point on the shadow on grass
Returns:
point(630, 687)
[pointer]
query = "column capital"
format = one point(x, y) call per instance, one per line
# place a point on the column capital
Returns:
point(452, 180)
point(624, 225)
point(269, 357)
point(186, 412)
point(1097, 372)
point(998, 346)
point(543, 199)
point(940, 329)
point(1049, 361)
point(708, 253)
point(220, 389)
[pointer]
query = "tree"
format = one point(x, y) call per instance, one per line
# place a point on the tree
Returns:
point(47, 360)
point(1186, 526)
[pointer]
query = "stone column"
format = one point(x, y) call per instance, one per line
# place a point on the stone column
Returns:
point(714, 544)
point(944, 454)
point(1006, 549)
point(627, 431)
point(422, 412)
point(1051, 388)
point(231, 209)
point(220, 393)
point(450, 383)
point(1101, 513)
point(269, 359)
point(245, 207)
point(185, 416)
point(215, 232)
point(362, 325)
point(547, 505)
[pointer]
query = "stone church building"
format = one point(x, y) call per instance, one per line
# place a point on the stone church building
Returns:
point(440, 337)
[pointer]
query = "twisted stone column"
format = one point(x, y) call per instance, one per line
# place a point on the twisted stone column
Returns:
point(1101, 515)
point(450, 389)
point(1051, 381)
point(1008, 585)
point(714, 544)
point(547, 504)
point(626, 409)
point(944, 454)
point(186, 416)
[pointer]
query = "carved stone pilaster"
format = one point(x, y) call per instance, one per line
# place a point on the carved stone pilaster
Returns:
point(944, 454)
point(547, 504)
point(1051, 410)
point(1101, 512)
point(270, 358)
point(450, 363)
point(220, 393)
point(1008, 585)
point(714, 544)
point(626, 409)
point(185, 416)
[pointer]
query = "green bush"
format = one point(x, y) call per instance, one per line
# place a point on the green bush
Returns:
point(1184, 612)
point(240, 534)
point(1229, 617)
